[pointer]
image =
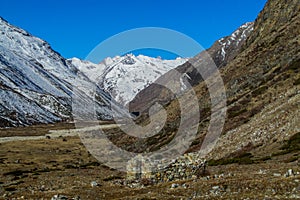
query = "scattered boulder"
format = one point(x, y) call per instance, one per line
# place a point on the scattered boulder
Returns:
point(94, 184)
point(187, 166)
point(59, 197)
point(262, 171)
point(62, 197)
point(174, 185)
point(216, 190)
point(277, 174)
point(289, 173)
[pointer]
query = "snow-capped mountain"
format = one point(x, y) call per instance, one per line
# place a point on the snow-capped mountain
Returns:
point(227, 47)
point(36, 83)
point(124, 76)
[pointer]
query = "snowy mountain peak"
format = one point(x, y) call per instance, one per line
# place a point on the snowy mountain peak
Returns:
point(239, 34)
point(124, 76)
point(128, 60)
point(236, 37)
point(232, 42)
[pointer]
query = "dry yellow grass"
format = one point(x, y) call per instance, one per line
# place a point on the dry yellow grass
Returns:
point(42, 168)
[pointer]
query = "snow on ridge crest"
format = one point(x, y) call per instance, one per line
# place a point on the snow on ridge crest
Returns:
point(235, 38)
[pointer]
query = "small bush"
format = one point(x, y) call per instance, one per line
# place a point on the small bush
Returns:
point(10, 189)
point(297, 82)
point(236, 111)
point(16, 172)
point(202, 172)
point(243, 159)
point(195, 142)
point(291, 159)
point(259, 91)
point(293, 144)
point(146, 181)
point(89, 164)
point(266, 158)
point(111, 178)
point(294, 65)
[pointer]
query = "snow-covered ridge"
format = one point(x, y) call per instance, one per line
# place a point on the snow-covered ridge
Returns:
point(124, 76)
point(37, 84)
point(235, 38)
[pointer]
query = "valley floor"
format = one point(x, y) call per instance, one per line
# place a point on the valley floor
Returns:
point(42, 168)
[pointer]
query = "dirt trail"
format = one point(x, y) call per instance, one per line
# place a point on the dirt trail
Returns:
point(58, 133)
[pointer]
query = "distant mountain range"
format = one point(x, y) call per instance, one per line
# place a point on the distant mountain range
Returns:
point(37, 84)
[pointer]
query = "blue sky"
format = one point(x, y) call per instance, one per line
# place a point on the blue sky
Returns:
point(74, 28)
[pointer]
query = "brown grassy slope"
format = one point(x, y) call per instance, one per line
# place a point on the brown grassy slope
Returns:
point(262, 82)
point(40, 169)
point(262, 86)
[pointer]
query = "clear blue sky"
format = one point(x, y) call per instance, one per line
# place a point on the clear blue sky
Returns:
point(74, 28)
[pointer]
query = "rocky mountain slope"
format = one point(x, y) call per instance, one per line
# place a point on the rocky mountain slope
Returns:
point(124, 76)
point(262, 89)
point(221, 52)
point(262, 85)
point(36, 83)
